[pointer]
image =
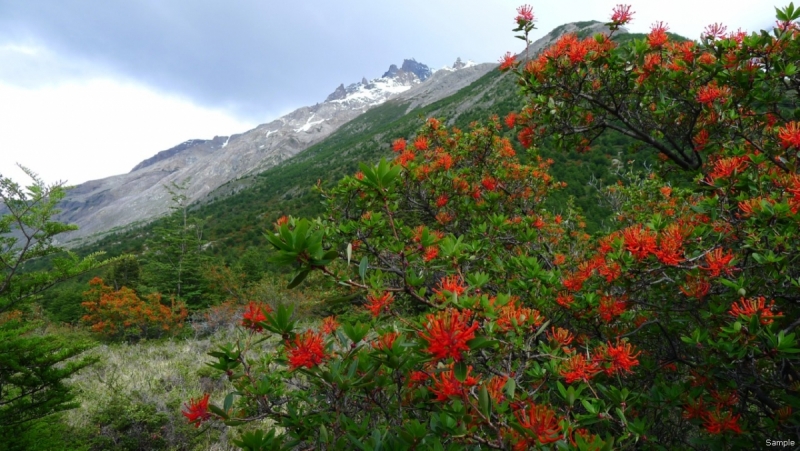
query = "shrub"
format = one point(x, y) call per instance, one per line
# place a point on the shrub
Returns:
point(489, 322)
point(122, 314)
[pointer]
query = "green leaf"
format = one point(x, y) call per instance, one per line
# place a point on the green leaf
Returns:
point(362, 268)
point(481, 342)
point(226, 405)
point(483, 401)
point(460, 371)
point(299, 278)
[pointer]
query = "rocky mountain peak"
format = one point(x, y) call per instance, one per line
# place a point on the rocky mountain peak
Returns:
point(409, 67)
point(338, 94)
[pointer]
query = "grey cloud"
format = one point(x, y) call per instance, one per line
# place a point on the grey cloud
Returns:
point(253, 58)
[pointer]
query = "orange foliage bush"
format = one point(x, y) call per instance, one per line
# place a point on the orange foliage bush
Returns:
point(123, 314)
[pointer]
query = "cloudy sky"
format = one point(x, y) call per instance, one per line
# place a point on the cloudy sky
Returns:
point(90, 88)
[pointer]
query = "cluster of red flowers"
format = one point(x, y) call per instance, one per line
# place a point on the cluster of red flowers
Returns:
point(306, 350)
point(658, 35)
point(449, 285)
point(448, 332)
point(329, 325)
point(789, 135)
point(524, 14)
point(447, 384)
point(196, 411)
point(386, 341)
point(542, 422)
point(718, 261)
point(640, 242)
point(757, 307)
point(579, 368)
point(511, 316)
point(254, 314)
point(621, 15)
point(379, 304)
point(620, 358)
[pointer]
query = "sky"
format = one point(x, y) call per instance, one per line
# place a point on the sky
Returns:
point(88, 89)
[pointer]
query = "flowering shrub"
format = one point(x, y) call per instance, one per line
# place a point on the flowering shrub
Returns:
point(122, 314)
point(489, 322)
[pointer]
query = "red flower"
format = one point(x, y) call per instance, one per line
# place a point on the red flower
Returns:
point(449, 385)
point(197, 411)
point(406, 157)
point(710, 93)
point(696, 287)
point(565, 299)
point(378, 304)
point(329, 325)
point(430, 253)
point(306, 350)
point(542, 422)
point(611, 271)
point(561, 336)
point(790, 135)
point(507, 62)
point(621, 357)
point(452, 284)
point(579, 368)
point(726, 167)
point(621, 14)
point(421, 143)
point(441, 201)
point(670, 246)
point(717, 422)
point(386, 341)
point(489, 183)
point(755, 307)
point(715, 31)
point(609, 308)
point(445, 161)
point(416, 378)
point(694, 409)
point(447, 333)
point(254, 315)
point(511, 120)
point(524, 14)
point(639, 242)
point(495, 388)
point(658, 34)
point(525, 137)
point(700, 140)
point(511, 316)
point(717, 262)
point(399, 145)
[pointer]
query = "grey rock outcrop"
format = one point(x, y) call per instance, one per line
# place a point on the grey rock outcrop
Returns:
point(100, 206)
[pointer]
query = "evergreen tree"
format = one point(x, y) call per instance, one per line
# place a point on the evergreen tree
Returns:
point(173, 263)
point(33, 366)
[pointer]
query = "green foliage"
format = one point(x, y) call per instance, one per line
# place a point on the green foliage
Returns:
point(33, 371)
point(174, 260)
point(499, 324)
point(27, 232)
point(33, 365)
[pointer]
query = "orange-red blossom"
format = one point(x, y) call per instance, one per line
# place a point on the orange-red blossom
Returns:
point(448, 332)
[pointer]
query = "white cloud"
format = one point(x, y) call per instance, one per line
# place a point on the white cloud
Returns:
point(95, 128)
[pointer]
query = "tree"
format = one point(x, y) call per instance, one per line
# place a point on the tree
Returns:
point(33, 366)
point(485, 321)
point(173, 262)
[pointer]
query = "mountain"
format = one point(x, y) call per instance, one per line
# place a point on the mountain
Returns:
point(125, 200)
point(254, 195)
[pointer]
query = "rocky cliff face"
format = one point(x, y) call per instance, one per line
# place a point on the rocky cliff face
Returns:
point(100, 206)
